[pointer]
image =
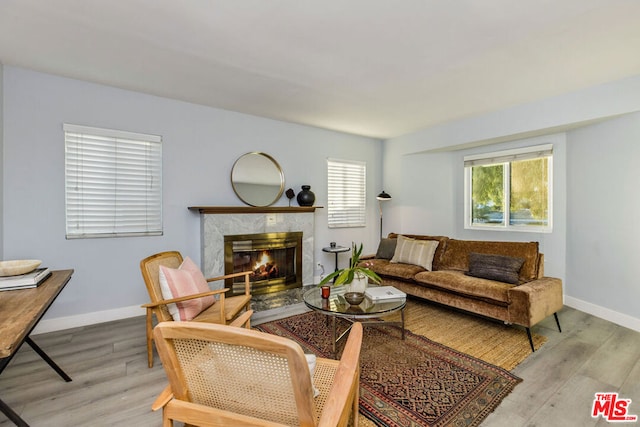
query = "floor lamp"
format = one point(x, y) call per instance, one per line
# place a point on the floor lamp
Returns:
point(382, 197)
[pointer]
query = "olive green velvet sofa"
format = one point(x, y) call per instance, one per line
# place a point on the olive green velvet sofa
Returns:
point(453, 279)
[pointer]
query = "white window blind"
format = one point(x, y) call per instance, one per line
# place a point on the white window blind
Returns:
point(113, 183)
point(346, 194)
point(506, 156)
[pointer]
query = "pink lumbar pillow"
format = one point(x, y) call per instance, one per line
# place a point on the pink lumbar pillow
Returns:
point(181, 282)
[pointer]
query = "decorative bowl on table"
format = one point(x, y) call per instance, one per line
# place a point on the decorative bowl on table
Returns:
point(17, 267)
point(354, 298)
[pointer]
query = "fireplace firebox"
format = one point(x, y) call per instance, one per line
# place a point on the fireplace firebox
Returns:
point(274, 258)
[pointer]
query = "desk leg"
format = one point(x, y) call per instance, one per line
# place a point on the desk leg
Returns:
point(47, 359)
point(15, 418)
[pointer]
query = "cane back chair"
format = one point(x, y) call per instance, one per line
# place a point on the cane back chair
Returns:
point(227, 376)
point(226, 310)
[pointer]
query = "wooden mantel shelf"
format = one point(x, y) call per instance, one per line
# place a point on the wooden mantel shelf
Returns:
point(252, 209)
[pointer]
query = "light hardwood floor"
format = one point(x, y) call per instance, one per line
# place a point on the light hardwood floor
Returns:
point(112, 385)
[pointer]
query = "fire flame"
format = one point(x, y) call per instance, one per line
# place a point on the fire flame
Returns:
point(264, 260)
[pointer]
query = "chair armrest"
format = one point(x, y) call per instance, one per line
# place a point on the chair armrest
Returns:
point(229, 276)
point(365, 257)
point(346, 383)
point(243, 320)
point(165, 396)
point(247, 282)
point(186, 298)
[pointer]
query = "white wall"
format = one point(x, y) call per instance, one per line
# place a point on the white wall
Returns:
point(603, 233)
point(424, 173)
point(423, 193)
point(200, 145)
point(1, 161)
point(594, 254)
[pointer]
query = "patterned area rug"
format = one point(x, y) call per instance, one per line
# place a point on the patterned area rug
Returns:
point(415, 382)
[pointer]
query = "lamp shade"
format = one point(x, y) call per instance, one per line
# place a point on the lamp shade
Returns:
point(383, 196)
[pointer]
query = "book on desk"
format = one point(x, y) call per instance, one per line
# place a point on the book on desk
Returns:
point(24, 281)
point(384, 293)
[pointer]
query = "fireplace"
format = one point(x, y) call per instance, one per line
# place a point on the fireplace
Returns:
point(219, 221)
point(274, 258)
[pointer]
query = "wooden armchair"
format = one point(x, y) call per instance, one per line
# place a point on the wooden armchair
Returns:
point(224, 311)
point(224, 376)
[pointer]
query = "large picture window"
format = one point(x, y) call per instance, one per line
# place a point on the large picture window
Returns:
point(113, 183)
point(509, 190)
point(346, 193)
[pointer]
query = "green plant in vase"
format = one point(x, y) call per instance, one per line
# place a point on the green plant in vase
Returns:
point(356, 276)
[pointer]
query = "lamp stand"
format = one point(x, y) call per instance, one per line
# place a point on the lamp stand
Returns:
point(380, 208)
point(382, 197)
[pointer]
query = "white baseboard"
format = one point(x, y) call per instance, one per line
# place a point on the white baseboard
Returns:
point(85, 319)
point(604, 313)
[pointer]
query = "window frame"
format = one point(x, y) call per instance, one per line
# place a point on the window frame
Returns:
point(113, 183)
point(505, 158)
point(340, 213)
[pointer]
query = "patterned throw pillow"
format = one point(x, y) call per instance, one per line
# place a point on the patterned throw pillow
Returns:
point(181, 282)
point(416, 252)
point(495, 267)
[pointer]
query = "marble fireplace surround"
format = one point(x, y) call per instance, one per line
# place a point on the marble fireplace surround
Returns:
point(218, 221)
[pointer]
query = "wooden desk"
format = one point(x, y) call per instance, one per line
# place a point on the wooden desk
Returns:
point(21, 311)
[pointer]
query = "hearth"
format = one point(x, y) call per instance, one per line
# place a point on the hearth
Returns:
point(274, 258)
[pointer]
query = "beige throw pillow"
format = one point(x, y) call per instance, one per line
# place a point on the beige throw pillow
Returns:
point(416, 252)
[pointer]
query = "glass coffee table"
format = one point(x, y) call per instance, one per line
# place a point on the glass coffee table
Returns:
point(336, 306)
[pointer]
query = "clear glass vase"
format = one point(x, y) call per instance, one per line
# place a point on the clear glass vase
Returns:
point(354, 291)
point(359, 283)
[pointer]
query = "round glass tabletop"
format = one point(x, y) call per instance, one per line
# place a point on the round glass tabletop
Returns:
point(336, 305)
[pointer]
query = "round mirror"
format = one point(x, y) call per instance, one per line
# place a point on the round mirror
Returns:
point(257, 179)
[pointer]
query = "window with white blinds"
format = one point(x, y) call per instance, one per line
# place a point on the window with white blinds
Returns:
point(510, 190)
point(113, 183)
point(346, 194)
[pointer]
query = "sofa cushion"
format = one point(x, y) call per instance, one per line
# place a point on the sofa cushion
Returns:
point(458, 282)
point(442, 243)
point(456, 255)
point(416, 252)
point(386, 248)
point(495, 267)
point(385, 268)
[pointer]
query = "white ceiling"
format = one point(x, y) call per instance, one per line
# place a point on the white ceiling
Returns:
point(378, 68)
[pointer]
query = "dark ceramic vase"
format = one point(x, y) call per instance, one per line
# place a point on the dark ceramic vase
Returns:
point(306, 196)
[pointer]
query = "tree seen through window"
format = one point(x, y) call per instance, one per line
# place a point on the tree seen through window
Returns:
point(514, 193)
